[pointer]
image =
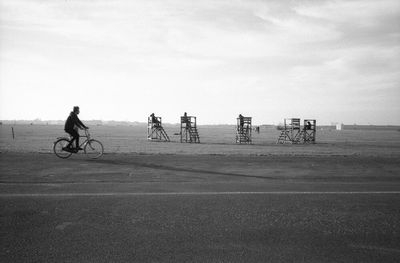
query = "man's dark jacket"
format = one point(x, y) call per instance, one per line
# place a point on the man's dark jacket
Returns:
point(72, 121)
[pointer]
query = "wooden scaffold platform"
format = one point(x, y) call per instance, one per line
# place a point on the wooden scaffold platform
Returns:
point(243, 130)
point(155, 130)
point(292, 132)
point(310, 130)
point(189, 132)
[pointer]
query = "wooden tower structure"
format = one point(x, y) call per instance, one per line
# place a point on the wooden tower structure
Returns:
point(309, 132)
point(155, 130)
point(292, 132)
point(243, 130)
point(189, 131)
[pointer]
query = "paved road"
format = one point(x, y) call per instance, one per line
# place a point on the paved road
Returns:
point(171, 208)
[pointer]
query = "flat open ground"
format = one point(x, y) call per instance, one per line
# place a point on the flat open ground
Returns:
point(336, 201)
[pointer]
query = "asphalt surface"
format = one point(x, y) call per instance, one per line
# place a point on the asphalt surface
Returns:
point(199, 208)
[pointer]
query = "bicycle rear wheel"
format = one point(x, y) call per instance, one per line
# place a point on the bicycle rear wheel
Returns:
point(58, 148)
point(94, 149)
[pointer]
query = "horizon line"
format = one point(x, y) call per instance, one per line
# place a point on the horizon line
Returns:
point(59, 122)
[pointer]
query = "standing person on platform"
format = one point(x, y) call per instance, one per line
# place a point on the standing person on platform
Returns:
point(241, 121)
point(186, 120)
point(154, 120)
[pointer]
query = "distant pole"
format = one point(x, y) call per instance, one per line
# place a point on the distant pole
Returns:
point(12, 129)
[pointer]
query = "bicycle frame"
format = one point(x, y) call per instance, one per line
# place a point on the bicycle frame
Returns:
point(69, 138)
point(87, 136)
point(91, 147)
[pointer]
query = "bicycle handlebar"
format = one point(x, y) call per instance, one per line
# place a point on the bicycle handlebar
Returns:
point(87, 132)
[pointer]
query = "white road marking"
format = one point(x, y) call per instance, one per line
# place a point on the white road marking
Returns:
point(384, 249)
point(198, 193)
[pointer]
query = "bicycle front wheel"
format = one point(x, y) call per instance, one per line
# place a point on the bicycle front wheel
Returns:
point(58, 148)
point(94, 149)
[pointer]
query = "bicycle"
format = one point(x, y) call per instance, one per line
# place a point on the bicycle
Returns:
point(91, 147)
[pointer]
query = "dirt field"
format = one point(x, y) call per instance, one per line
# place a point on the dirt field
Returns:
point(215, 140)
point(335, 201)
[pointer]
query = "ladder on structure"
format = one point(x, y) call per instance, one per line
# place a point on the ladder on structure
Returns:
point(189, 132)
point(155, 130)
point(243, 130)
point(292, 132)
point(309, 131)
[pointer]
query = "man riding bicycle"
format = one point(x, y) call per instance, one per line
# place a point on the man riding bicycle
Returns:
point(72, 122)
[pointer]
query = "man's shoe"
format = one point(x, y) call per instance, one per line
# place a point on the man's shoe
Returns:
point(67, 149)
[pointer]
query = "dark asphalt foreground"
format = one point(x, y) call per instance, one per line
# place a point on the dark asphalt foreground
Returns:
point(199, 208)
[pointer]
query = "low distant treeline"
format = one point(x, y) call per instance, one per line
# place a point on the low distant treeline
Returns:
point(62, 122)
point(136, 123)
point(371, 127)
point(354, 127)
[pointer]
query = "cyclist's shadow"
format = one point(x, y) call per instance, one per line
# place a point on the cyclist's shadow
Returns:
point(173, 168)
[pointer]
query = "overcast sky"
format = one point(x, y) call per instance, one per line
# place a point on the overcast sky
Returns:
point(334, 61)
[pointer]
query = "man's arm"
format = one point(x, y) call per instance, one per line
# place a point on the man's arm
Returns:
point(79, 123)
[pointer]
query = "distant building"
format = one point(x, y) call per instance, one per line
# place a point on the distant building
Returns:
point(339, 126)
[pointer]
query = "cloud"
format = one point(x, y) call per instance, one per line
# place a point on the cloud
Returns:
point(329, 53)
point(359, 22)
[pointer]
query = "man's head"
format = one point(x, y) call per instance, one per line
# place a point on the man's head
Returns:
point(76, 109)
